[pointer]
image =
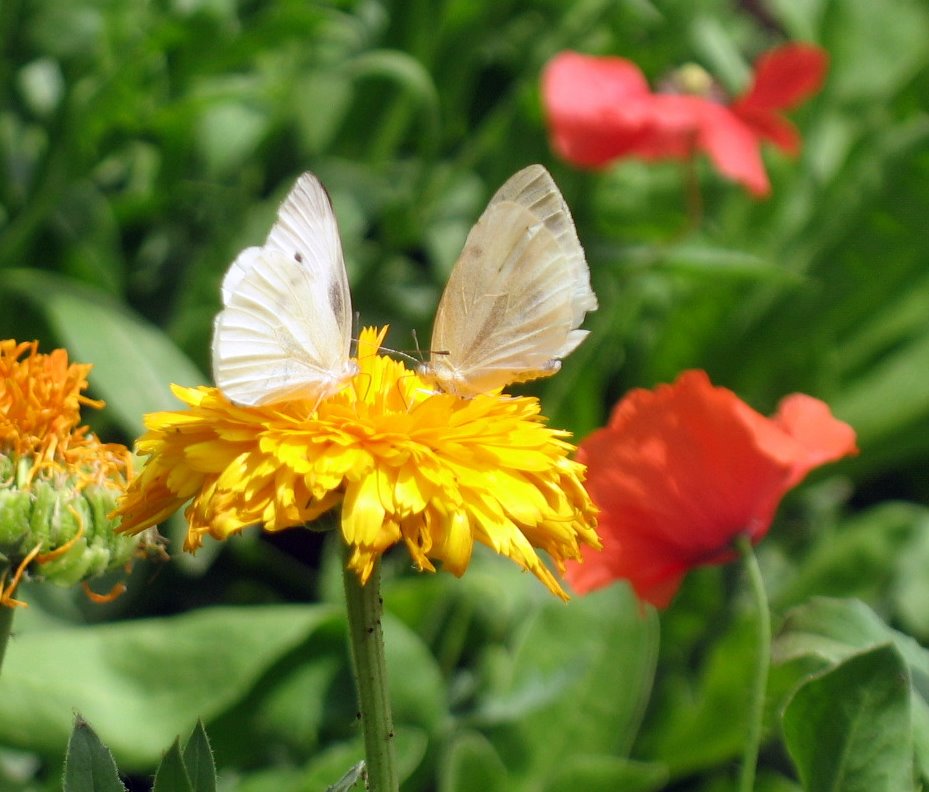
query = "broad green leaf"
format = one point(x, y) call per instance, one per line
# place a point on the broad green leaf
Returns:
point(143, 682)
point(711, 702)
point(606, 774)
point(829, 631)
point(725, 263)
point(417, 690)
point(890, 397)
point(229, 132)
point(134, 362)
point(580, 677)
point(310, 698)
point(198, 760)
point(859, 34)
point(471, 762)
point(89, 766)
point(848, 730)
point(321, 100)
point(910, 587)
point(834, 629)
point(171, 775)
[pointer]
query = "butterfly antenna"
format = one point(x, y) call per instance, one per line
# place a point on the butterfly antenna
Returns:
point(417, 361)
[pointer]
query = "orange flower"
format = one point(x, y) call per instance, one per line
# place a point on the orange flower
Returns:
point(58, 482)
point(683, 470)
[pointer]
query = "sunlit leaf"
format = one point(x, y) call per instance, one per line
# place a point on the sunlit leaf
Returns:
point(848, 730)
point(143, 682)
point(134, 362)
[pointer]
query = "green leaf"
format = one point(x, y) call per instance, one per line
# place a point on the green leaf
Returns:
point(829, 631)
point(711, 702)
point(861, 557)
point(417, 690)
point(586, 667)
point(198, 760)
point(603, 773)
point(143, 682)
point(860, 33)
point(171, 776)
point(471, 762)
point(848, 730)
point(889, 399)
point(134, 362)
point(228, 133)
point(321, 100)
point(89, 766)
point(834, 629)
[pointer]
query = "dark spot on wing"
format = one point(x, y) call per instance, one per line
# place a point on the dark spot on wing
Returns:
point(298, 256)
point(483, 335)
point(335, 298)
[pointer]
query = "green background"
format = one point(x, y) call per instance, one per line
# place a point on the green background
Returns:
point(144, 143)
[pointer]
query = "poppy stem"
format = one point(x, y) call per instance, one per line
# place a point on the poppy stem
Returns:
point(364, 605)
point(762, 664)
point(6, 624)
point(693, 193)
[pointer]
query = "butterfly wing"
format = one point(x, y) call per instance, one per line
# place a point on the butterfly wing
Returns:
point(285, 328)
point(517, 294)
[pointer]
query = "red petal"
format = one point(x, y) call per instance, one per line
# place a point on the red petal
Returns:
point(682, 470)
point(823, 437)
point(734, 149)
point(596, 107)
point(769, 126)
point(673, 127)
point(785, 76)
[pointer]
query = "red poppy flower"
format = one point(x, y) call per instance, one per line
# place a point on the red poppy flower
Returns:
point(600, 109)
point(683, 470)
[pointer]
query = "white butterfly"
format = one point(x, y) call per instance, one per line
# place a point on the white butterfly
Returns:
point(285, 330)
point(517, 294)
point(510, 312)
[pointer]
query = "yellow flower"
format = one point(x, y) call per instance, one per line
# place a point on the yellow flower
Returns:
point(58, 482)
point(406, 464)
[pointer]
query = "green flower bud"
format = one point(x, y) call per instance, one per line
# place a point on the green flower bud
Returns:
point(66, 523)
point(58, 482)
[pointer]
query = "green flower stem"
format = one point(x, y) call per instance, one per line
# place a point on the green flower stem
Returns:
point(762, 664)
point(367, 642)
point(6, 623)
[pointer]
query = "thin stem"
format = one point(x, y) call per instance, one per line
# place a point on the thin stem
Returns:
point(6, 623)
point(762, 664)
point(693, 194)
point(367, 641)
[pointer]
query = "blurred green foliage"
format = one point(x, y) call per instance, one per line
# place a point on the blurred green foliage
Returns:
point(143, 143)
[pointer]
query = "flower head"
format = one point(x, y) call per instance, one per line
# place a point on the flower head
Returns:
point(600, 109)
point(405, 463)
point(683, 470)
point(58, 482)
